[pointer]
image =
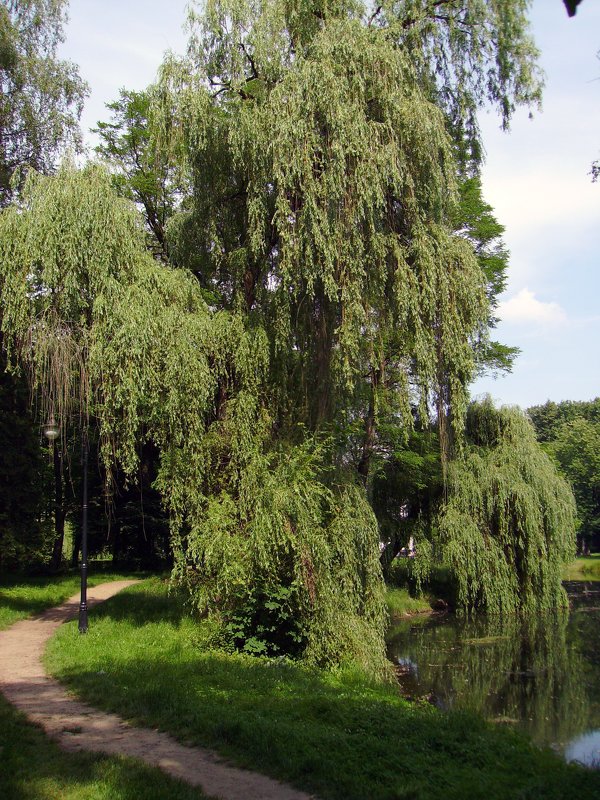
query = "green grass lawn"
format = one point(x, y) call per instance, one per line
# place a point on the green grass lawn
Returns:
point(335, 734)
point(32, 767)
point(585, 568)
point(401, 604)
point(22, 597)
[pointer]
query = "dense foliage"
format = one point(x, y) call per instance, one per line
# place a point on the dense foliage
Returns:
point(294, 348)
point(141, 171)
point(24, 484)
point(548, 419)
point(508, 524)
point(570, 432)
point(41, 96)
point(41, 99)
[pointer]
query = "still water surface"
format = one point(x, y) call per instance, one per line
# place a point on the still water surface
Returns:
point(541, 674)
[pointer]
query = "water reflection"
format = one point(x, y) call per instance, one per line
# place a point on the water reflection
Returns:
point(585, 749)
point(540, 673)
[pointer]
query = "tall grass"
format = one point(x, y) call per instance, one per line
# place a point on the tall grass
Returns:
point(586, 568)
point(400, 603)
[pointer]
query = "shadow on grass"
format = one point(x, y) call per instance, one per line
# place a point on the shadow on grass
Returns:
point(144, 605)
point(22, 596)
point(334, 735)
point(23, 605)
point(20, 608)
point(97, 573)
point(32, 766)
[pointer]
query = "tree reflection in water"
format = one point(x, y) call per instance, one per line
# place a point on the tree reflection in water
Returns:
point(542, 673)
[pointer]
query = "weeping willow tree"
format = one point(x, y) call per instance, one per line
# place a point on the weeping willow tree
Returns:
point(323, 187)
point(284, 561)
point(321, 158)
point(316, 274)
point(508, 524)
point(62, 246)
point(320, 143)
point(322, 154)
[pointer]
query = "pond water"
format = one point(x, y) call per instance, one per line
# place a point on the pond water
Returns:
point(541, 674)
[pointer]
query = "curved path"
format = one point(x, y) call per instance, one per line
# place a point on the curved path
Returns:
point(77, 726)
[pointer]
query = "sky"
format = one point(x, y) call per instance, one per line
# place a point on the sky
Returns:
point(536, 177)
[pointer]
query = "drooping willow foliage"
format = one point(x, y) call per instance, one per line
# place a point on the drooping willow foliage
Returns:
point(317, 274)
point(323, 189)
point(249, 517)
point(468, 53)
point(61, 247)
point(323, 198)
point(323, 193)
point(508, 524)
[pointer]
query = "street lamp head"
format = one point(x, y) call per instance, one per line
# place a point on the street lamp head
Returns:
point(51, 430)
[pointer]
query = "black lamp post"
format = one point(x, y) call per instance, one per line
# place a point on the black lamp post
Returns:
point(83, 620)
point(52, 432)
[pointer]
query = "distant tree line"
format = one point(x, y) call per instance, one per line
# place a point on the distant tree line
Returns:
point(570, 434)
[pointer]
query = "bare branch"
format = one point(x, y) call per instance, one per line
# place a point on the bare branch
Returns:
point(374, 15)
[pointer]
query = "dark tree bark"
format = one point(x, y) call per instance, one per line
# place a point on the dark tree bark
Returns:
point(369, 436)
point(323, 401)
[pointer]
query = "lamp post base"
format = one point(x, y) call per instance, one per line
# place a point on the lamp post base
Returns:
point(83, 617)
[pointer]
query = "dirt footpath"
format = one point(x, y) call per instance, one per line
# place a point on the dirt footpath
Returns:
point(77, 726)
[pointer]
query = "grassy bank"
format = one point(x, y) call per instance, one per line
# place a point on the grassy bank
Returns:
point(22, 597)
point(586, 568)
point(334, 734)
point(32, 767)
point(401, 604)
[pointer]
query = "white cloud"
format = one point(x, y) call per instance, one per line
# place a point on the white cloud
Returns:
point(525, 307)
point(560, 201)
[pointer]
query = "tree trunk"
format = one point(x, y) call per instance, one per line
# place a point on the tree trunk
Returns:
point(389, 553)
point(369, 436)
point(322, 406)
